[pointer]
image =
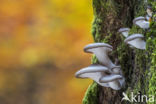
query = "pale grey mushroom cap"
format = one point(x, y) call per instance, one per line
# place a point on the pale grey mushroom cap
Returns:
point(91, 69)
point(96, 45)
point(101, 50)
point(94, 72)
point(124, 31)
point(113, 81)
point(110, 78)
point(133, 36)
point(138, 19)
point(136, 40)
point(141, 22)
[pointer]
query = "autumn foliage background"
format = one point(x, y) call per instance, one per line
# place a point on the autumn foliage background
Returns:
point(41, 47)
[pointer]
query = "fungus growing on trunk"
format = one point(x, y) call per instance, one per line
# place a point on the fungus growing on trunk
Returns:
point(136, 40)
point(101, 50)
point(106, 73)
point(94, 72)
point(124, 31)
point(113, 81)
point(141, 22)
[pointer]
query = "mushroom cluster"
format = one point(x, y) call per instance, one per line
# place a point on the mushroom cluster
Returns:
point(106, 73)
point(144, 22)
point(141, 22)
point(136, 40)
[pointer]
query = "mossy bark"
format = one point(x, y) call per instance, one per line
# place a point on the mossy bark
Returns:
point(138, 66)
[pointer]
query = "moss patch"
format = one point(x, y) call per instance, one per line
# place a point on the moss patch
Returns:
point(91, 94)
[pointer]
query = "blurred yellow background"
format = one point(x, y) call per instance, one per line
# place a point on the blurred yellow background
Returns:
point(41, 47)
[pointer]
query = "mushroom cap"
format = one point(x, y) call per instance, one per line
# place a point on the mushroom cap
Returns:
point(136, 41)
point(123, 30)
point(91, 69)
point(96, 45)
point(133, 36)
point(94, 72)
point(110, 78)
point(114, 81)
point(138, 19)
point(101, 51)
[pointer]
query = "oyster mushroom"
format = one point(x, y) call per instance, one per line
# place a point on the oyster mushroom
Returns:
point(141, 22)
point(117, 70)
point(113, 81)
point(124, 31)
point(101, 50)
point(94, 72)
point(136, 40)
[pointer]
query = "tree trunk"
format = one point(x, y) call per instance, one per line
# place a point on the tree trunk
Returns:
point(137, 65)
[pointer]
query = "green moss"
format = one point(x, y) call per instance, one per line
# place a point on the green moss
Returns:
point(91, 94)
point(151, 44)
point(142, 76)
point(94, 59)
point(139, 66)
point(152, 51)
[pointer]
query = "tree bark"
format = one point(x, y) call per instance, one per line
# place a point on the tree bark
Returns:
point(137, 65)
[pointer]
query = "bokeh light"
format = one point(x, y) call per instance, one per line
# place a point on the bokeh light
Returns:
point(41, 47)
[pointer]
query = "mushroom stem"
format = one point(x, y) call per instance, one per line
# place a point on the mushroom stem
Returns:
point(110, 78)
point(101, 50)
point(103, 58)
